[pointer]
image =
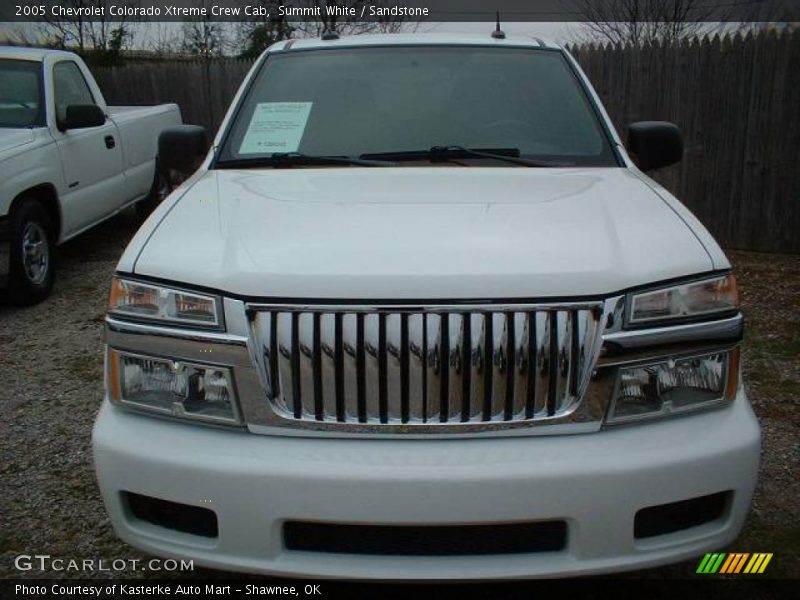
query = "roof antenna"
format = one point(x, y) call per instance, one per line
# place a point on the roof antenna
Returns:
point(498, 33)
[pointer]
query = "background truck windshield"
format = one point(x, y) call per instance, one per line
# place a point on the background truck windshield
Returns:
point(20, 93)
point(355, 101)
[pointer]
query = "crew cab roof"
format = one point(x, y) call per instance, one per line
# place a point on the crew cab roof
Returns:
point(33, 54)
point(415, 39)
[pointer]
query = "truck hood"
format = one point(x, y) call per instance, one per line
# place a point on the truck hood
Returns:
point(420, 233)
point(13, 138)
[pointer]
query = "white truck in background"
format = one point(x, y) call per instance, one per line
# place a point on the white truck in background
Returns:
point(68, 161)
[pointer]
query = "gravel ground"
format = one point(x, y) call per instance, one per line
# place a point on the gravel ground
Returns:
point(50, 389)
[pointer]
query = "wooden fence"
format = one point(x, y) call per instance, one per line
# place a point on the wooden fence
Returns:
point(203, 89)
point(737, 100)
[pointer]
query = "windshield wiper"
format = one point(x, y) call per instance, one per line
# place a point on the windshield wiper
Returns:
point(445, 153)
point(292, 159)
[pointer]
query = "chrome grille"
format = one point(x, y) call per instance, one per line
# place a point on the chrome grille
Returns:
point(414, 366)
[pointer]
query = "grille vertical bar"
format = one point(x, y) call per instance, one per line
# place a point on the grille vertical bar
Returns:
point(510, 360)
point(424, 363)
point(466, 367)
point(294, 367)
point(552, 363)
point(530, 397)
point(575, 352)
point(416, 368)
point(434, 367)
point(408, 367)
point(338, 359)
point(307, 389)
point(394, 367)
point(360, 369)
point(405, 380)
point(383, 406)
point(444, 386)
point(329, 382)
point(520, 368)
point(488, 364)
point(273, 386)
point(372, 366)
point(316, 365)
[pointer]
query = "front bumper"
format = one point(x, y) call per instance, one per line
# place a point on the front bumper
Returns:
point(595, 482)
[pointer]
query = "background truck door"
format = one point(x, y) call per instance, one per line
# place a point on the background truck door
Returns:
point(91, 158)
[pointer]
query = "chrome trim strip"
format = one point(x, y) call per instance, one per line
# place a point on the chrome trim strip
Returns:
point(464, 307)
point(179, 344)
point(727, 330)
point(199, 335)
point(431, 432)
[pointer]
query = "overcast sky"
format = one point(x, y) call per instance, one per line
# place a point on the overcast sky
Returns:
point(559, 32)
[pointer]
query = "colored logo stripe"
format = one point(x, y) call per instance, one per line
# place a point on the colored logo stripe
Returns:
point(758, 563)
point(711, 562)
point(720, 562)
point(734, 563)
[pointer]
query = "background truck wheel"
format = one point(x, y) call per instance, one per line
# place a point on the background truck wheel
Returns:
point(162, 186)
point(32, 257)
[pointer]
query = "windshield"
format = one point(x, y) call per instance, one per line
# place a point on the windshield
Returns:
point(20, 93)
point(354, 102)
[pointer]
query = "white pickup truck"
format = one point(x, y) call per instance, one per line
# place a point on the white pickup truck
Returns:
point(67, 161)
point(421, 314)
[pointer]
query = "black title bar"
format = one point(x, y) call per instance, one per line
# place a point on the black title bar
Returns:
point(18, 11)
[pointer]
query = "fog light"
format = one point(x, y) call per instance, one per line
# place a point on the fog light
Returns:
point(177, 388)
point(674, 386)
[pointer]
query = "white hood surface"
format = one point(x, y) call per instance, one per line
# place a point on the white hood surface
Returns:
point(421, 233)
point(13, 138)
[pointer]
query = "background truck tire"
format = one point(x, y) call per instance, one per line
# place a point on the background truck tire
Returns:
point(32, 253)
point(162, 186)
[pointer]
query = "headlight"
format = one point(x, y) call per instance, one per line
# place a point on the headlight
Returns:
point(181, 389)
point(693, 299)
point(669, 387)
point(136, 299)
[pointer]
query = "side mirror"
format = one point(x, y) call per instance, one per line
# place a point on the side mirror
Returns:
point(181, 146)
point(654, 144)
point(81, 116)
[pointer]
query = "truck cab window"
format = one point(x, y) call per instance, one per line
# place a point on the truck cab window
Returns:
point(20, 93)
point(69, 87)
point(405, 100)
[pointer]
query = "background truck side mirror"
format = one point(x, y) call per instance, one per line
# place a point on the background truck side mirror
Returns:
point(81, 116)
point(654, 144)
point(180, 147)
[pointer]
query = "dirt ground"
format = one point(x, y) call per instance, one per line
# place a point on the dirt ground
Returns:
point(51, 387)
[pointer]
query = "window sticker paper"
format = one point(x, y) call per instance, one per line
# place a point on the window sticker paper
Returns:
point(276, 127)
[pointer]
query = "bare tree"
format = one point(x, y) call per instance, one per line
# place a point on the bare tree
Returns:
point(83, 33)
point(204, 38)
point(638, 22)
point(160, 39)
point(350, 25)
point(256, 35)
